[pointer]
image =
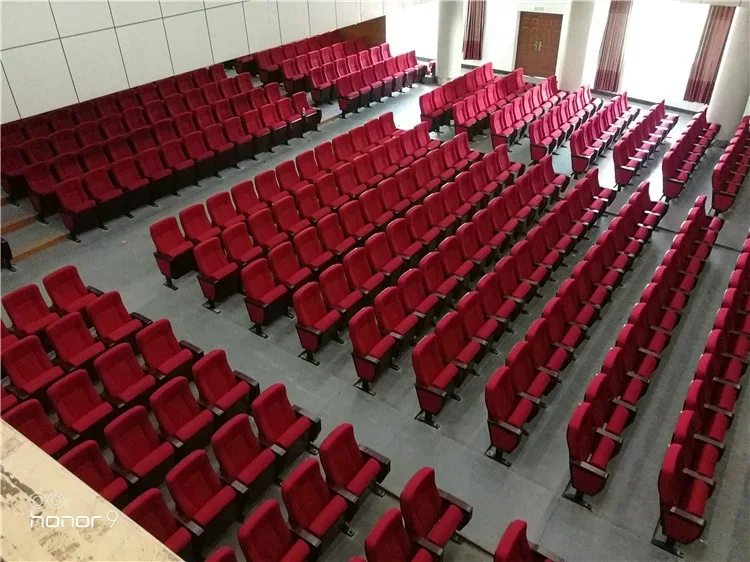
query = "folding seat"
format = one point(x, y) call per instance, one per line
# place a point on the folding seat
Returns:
point(113, 126)
point(382, 259)
point(700, 457)
point(314, 58)
point(430, 513)
point(217, 143)
point(286, 267)
point(310, 250)
point(174, 255)
point(88, 464)
point(391, 199)
point(310, 116)
point(124, 380)
point(349, 98)
point(264, 230)
point(28, 312)
point(30, 370)
point(437, 216)
point(423, 176)
point(151, 512)
point(438, 168)
point(287, 217)
point(239, 246)
point(200, 496)
point(222, 211)
point(29, 419)
point(321, 88)
point(430, 113)
point(288, 178)
point(180, 417)
point(217, 72)
point(258, 98)
point(294, 79)
point(452, 204)
point(343, 148)
point(353, 221)
point(294, 120)
point(472, 248)
point(224, 391)
point(454, 265)
point(389, 542)
point(135, 118)
point(240, 138)
point(218, 278)
point(196, 225)
point(456, 348)
point(268, 69)
point(408, 189)
point(396, 155)
point(410, 145)
point(206, 160)
point(265, 536)
point(490, 236)
point(361, 275)
point(135, 187)
point(94, 157)
point(77, 209)
point(278, 127)
point(380, 162)
point(436, 281)
point(67, 291)
point(163, 355)
point(178, 162)
point(370, 80)
point(88, 133)
point(62, 141)
point(373, 210)
point(138, 449)
point(118, 148)
point(420, 229)
point(309, 205)
point(74, 346)
point(332, 235)
point(338, 294)
point(468, 192)
point(112, 321)
point(514, 546)
point(42, 187)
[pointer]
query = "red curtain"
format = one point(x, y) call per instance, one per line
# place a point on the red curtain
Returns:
point(613, 46)
point(702, 78)
point(474, 30)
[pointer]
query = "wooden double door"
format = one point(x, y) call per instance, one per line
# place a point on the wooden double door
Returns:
point(538, 43)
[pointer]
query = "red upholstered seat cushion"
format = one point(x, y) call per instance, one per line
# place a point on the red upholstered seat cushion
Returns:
point(328, 516)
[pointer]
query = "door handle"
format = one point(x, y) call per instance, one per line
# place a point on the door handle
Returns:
point(540, 46)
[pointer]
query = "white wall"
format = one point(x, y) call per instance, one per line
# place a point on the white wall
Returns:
point(59, 52)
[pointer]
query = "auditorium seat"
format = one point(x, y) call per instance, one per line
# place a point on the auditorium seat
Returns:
point(201, 497)
point(28, 312)
point(389, 542)
point(222, 211)
point(311, 505)
point(124, 380)
point(87, 463)
point(265, 537)
point(196, 225)
point(316, 324)
point(382, 259)
point(163, 355)
point(287, 216)
point(286, 429)
point(67, 291)
point(435, 379)
point(112, 321)
point(224, 391)
point(29, 368)
point(287, 268)
point(218, 278)
point(243, 461)
point(75, 347)
point(29, 419)
point(174, 254)
point(150, 511)
point(264, 230)
point(429, 512)
point(141, 455)
point(239, 246)
point(245, 199)
point(265, 299)
point(515, 547)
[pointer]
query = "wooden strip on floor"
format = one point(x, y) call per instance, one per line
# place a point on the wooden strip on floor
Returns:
point(38, 246)
point(16, 223)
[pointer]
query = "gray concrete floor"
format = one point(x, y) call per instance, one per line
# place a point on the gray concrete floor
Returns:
point(619, 526)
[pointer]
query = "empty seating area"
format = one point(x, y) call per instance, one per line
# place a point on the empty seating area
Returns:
point(600, 132)
point(640, 142)
point(554, 128)
point(732, 168)
point(686, 153)
point(478, 92)
point(597, 428)
point(362, 80)
point(687, 477)
point(131, 148)
point(511, 122)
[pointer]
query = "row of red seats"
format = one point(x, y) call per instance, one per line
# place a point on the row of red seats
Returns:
point(595, 431)
point(370, 83)
point(553, 128)
point(686, 153)
point(602, 130)
point(249, 63)
point(640, 142)
point(511, 122)
point(269, 62)
point(441, 363)
point(732, 168)
point(93, 125)
point(39, 126)
point(437, 106)
point(686, 479)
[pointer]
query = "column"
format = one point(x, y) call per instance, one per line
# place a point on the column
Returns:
point(450, 39)
point(733, 81)
point(573, 55)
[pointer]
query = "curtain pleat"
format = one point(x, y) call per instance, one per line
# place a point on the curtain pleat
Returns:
point(474, 30)
point(700, 84)
point(609, 70)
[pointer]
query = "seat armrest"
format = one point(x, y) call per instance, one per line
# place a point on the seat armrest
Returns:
point(369, 358)
point(371, 453)
point(97, 292)
point(194, 349)
point(254, 385)
point(590, 468)
point(301, 412)
point(68, 432)
point(435, 551)
point(545, 553)
point(460, 504)
point(432, 390)
point(709, 441)
point(238, 487)
point(217, 412)
point(604, 433)
point(731, 384)
point(306, 536)
point(195, 529)
point(255, 302)
point(687, 516)
point(344, 493)
point(533, 399)
point(549, 372)
point(506, 426)
point(718, 410)
point(630, 407)
point(116, 402)
point(130, 477)
point(461, 366)
point(176, 443)
point(138, 316)
point(310, 329)
point(705, 479)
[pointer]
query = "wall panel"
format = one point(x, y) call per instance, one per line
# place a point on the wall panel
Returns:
point(322, 16)
point(189, 45)
point(145, 52)
point(262, 24)
point(74, 18)
point(294, 20)
point(95, 64)
point(226, 26)
point(9, 110)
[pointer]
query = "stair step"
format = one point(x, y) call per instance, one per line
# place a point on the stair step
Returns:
point(16, 223)
point(38, 246)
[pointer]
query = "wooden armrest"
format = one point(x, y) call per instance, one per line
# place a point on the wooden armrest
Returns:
point(649, 352)
point(344, 493)
point(138, 316)
point(725, 382)
point(630, 407)
point(604, 433)
point(563, 347)
point(461, 366)
point(194, 349)
point(590, 468)
point(709, 441)
point(310, 329)
point(506, 426)
point(636, 376)
point(65, 430)
point(216, 411)
point(306, 536)
point(533, 399)
point(371, 453)
point(687, 516)
point(549, 372)
point(176, 443)
point(718, 410)
point(195, 529)
point(368, 358)
point(431, 547)
point(705, 479)
point(92, 289)
point(238, 487)
point(432, 390)
point(130, 477)
point(306, 414)
point(460, 504)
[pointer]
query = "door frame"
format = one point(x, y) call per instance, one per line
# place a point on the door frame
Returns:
point(563, 34)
